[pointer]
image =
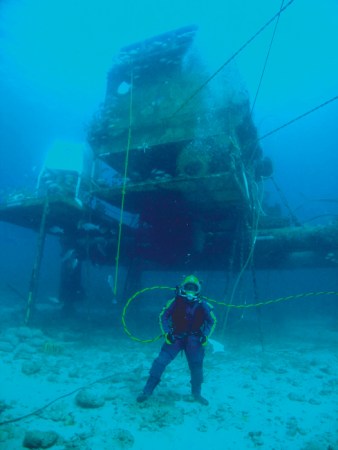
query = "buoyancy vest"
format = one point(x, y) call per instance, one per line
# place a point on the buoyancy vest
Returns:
point(187, 317)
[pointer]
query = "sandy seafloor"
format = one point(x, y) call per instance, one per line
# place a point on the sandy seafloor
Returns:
point(276, 391)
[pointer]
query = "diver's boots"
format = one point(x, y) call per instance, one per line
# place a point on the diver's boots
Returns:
point(142, 397)
point(196, 384)
point(151, 384)
point(198, 398)
point(196, 394)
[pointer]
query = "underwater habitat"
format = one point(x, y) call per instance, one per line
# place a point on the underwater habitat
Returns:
point(168, 225)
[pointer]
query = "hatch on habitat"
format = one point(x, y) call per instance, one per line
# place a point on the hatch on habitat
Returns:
point(187, 132)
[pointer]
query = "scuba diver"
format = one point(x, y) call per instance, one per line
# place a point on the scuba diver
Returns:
point(186, 323)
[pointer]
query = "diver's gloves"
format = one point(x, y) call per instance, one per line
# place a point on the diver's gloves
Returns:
point(169, 338)
point(204, 340)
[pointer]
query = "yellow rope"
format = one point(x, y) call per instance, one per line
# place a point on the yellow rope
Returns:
point(275, 300)
point(242, 306)
point(124, 186)
point(146, 341)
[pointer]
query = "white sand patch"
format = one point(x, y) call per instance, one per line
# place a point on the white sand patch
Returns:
point(280, 396)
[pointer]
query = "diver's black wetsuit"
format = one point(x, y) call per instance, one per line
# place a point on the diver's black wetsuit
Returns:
point(188, 323)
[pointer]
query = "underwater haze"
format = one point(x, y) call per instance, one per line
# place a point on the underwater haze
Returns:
point(70, 380)
point(55, 56)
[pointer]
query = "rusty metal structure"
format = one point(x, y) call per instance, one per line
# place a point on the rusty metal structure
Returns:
point(194, 160)
point(177, 167)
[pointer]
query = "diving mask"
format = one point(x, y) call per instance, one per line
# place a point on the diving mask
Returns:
point(190, 288)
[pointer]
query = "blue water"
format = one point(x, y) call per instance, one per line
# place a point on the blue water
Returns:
point(55, 56)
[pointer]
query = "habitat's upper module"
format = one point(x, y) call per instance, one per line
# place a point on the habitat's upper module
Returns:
point(181, 126)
